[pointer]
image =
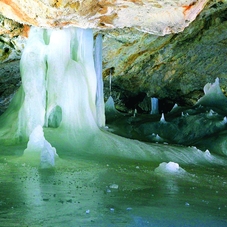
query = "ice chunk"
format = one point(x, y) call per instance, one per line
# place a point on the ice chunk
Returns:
point(211, 112)
point(114, 186)
point(48, 155)
point(208, 155)
point(37, 144)
point(212, 88)
point(184, 115)
point(213, 96)
point(170, 168)
point(36, 140)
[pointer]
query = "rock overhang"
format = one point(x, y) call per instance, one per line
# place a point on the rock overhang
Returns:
point(151, 16)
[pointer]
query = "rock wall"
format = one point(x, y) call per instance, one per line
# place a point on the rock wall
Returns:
point(173, 68)
point(12, 41)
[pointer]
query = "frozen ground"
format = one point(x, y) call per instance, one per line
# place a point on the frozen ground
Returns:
point(102, 191)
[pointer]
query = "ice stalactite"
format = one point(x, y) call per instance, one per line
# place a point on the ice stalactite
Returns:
point(99, 94)
point(110, 83)
point(110, 105)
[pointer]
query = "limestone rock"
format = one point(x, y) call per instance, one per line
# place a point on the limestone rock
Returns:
point(9, 83)
point(173, 68)
point(156, 17)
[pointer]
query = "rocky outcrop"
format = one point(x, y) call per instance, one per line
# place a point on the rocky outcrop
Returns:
point(156, 17)
point(12, 42)
point(173, 68)
point(9, 83)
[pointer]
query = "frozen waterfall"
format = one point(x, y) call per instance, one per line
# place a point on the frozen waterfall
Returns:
point(154, 106)
point(60, 108)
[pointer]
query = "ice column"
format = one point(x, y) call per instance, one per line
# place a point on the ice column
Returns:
point(71, 79)
point(154, 106)
point(100, 106)
point(33, 69)
point(59, 85)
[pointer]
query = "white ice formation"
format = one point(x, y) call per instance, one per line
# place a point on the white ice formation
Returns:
point(58, 107)
point(169, 168)
point(39, 146)
point(154, 106)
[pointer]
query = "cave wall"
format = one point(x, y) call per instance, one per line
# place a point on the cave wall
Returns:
point(173, 67)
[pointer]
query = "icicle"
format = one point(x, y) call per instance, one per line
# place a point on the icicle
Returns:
point(110, 83)
point(154, 106)
point(99, 94)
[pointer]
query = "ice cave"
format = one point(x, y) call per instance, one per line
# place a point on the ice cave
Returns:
point(94, 134)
